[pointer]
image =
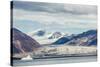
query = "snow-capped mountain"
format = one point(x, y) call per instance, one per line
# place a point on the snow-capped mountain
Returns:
point(45, 37)
point(55, 35)
point(38, 33)
point(87, 38)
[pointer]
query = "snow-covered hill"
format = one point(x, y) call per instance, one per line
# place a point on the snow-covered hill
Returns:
point(44, 37)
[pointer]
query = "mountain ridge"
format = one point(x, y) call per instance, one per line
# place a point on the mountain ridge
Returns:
point(81, 39)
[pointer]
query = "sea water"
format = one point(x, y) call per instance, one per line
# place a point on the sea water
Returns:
point(54, 61)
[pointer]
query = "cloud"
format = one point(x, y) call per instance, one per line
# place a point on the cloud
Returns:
point(56, 16)
point(81, 9)
point(47, 18)
point(55, 7)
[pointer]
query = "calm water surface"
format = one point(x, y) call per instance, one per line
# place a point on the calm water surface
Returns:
point(54, 61)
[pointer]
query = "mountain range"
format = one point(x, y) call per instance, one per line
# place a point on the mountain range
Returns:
point(87, 38)
point(43, 33)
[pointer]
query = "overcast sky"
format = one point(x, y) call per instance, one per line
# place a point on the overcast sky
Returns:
point(69, 18)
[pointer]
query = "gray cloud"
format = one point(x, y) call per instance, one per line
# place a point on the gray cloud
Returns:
point(56, 7)
point(73, 18)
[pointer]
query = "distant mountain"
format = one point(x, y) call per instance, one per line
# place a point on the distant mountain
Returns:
point(93, 42)
point(55, 35)
point(62, 40)
point(84, 39)
point(44, 37)
point(39, 33)
point(70, 36)
point(87, 38)
point(22, 43)
point(87, 34)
